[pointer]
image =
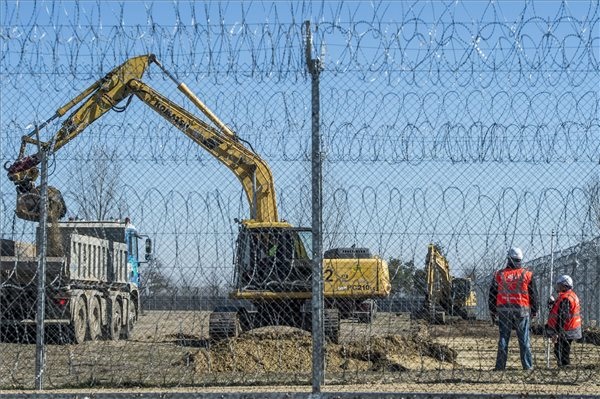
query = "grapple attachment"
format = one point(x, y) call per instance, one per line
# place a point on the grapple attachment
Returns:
point(28, 204)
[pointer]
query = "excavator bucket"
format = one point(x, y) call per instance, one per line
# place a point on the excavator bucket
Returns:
point(28, 205)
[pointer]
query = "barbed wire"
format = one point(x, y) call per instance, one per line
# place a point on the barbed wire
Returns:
point(531, 50)
point(497, 89)
point(543, 105)
point(381, 215)
point(391, 138)
point(470, 124)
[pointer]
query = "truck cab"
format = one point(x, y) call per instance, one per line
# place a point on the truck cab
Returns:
point(132, 240)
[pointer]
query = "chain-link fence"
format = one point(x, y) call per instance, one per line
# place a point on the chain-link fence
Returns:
point(185, 250)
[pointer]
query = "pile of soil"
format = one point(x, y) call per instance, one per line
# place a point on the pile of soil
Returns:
point(286, 349)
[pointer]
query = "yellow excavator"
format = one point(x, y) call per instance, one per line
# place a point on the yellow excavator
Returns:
point(273, 258)
point(447, 298)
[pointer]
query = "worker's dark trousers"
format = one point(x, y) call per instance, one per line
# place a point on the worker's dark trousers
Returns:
point(562, 351)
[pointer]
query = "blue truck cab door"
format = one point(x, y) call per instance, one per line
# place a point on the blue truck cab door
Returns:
point(133, 260)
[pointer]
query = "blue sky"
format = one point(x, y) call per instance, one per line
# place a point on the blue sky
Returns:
point(471, 123)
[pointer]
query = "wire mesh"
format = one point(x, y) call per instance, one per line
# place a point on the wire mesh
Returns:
point(451, 128)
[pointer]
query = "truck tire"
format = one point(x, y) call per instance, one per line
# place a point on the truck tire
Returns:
point(95, 319)
point(127, 330)
point(116, 319)
point(80, 321)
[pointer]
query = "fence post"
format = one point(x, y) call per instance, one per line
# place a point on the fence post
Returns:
point(318, 331)
point(40, 349)
point(550, 292)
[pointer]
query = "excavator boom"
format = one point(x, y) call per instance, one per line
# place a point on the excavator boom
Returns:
point(252, 172)
point(106, 94)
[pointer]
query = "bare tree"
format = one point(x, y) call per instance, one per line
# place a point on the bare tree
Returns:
point(154, 280)
point(97, 187)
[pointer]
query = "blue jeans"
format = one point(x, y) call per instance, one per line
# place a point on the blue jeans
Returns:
point(508, 321)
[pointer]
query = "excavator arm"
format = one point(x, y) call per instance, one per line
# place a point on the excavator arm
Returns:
point(106, 94)
point(439, 281)
point(252, 172)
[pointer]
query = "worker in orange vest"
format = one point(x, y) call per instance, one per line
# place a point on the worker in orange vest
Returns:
point(512, 301)
point(564, 320)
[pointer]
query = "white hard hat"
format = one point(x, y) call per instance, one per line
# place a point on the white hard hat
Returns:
point(565, 280)
point(515, 253)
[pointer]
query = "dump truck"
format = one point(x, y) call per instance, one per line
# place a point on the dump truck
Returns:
point(272, 263)
point(92, 280)
point(447, 298)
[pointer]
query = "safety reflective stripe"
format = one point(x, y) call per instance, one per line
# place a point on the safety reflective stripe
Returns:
point(515, 291)
point(574, 320)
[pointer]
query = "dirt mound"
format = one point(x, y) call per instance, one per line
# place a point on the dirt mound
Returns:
point(286, 349)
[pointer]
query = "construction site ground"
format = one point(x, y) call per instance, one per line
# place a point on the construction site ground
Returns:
point(170, 350)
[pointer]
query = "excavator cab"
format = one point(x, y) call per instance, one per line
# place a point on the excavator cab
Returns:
point(273, 257)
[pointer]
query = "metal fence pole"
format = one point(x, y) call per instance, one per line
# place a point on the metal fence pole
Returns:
point(550, 292)
point(40, 350)
point(318, 331)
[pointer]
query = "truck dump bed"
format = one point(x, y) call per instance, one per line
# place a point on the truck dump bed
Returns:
point(77, 251)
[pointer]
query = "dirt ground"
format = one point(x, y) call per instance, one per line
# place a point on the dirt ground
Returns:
point(171, 349)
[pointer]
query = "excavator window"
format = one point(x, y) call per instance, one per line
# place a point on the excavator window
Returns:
point(303, 244)
point(271, 259)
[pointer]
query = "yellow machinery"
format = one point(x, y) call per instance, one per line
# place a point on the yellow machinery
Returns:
point(273, 258)
point(446, 296)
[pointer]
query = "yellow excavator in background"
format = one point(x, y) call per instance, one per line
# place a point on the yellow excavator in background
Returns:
point(446, 298)
point(273, 259)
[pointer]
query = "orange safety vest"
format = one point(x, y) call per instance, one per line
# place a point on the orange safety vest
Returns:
point(574, 320)
point(513, 287)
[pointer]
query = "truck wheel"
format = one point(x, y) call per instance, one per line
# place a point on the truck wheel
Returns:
point(80, 321)
point(115, 321)
point(95, 320)
point(127, 331)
